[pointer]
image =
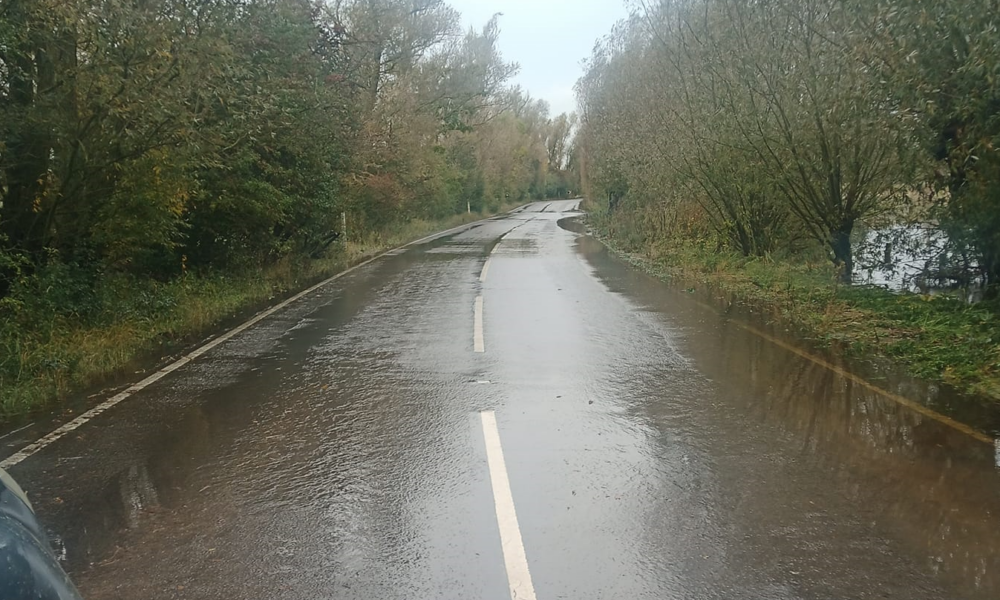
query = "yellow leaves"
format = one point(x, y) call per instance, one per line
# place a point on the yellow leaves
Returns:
point(177, 203)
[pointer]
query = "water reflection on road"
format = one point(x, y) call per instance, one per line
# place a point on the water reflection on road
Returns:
point(656, 448)
point(910, 476)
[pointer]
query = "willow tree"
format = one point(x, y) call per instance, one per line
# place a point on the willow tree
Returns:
point(809, 112)
point(761, 111)
point(941, 61)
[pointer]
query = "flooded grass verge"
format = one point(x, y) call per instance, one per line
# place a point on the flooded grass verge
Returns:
point(936, 338)
point(144, 324)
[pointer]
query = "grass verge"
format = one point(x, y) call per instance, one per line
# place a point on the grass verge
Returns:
point(936, 338)
point(58, 353)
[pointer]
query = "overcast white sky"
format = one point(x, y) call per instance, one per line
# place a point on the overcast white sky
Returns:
point(548, 38)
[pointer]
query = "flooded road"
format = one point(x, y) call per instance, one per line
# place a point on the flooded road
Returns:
point(644, 446)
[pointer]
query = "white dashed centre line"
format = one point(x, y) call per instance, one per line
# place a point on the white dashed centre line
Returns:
point(477, 334)
point(486, 269)
point(514, 559)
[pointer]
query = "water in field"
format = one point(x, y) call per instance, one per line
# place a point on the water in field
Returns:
point(916, 258)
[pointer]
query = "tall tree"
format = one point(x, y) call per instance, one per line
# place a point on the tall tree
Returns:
point(760, 111)
point(941, 62)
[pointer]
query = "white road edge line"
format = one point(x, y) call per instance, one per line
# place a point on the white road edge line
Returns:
point(486, 269)
point(18, 430)
point(48, 439)
point(514, 559)
point(477, 334)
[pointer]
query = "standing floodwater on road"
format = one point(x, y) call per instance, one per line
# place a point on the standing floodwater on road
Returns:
point(510, 411)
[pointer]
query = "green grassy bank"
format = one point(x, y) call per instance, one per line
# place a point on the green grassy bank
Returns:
point(59, 340)
point(936, 338)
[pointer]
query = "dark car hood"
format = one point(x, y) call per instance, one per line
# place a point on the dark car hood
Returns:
point(28, 569)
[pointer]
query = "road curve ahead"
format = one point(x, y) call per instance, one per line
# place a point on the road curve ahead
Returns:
point(508, 411)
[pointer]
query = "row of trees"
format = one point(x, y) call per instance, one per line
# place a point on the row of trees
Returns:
point(780, 123)
point(152, 136)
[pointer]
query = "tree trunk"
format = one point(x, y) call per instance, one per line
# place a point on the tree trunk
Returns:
point(22, 219)
point(843, 254)
point(29, 142)
point(991, 275)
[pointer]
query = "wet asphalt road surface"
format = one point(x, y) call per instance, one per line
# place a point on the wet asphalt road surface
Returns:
point(652, 445)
